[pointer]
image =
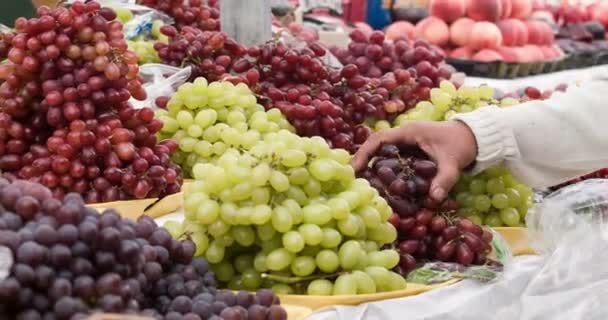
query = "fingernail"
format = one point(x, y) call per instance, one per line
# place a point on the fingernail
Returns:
point(438, 194)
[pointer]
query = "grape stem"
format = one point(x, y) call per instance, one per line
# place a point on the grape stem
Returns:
point(292, 280)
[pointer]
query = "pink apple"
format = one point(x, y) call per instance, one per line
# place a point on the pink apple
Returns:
point(514, 32)
point(487, 55)
point(484, 10)
point(485, 35)
point(506, 9)
point(447, 10)
point(539, 32)
point(433, 30)
point(460, 31)
point(521, 9)
point(509, 54)
point(400, 29)
point(530, 53)
point(464, 53)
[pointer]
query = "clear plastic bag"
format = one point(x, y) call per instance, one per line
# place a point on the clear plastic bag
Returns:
point(160, 80)
point(575, 211)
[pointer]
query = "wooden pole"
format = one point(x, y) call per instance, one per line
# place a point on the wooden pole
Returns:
point(247, 21)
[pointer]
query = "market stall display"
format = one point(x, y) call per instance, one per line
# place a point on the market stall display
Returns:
point(114, 115)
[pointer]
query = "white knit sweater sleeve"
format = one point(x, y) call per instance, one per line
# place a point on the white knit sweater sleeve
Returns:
point(545, 143)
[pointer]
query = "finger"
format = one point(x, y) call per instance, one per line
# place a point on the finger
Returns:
point(447, 175)
point(375, 141)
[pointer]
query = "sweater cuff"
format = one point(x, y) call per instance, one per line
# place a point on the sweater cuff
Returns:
point(495, 140)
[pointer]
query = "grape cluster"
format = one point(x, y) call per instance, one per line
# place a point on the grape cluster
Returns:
point(493, 197)
point(143, 45)
point(290, 215)
point(533, 93)
point(70, 261)
point(375, 56)
point(207, 119)
point(427, 230)
point(317, 100)
point(188, 13)
point(65, 119)
point(211, 54)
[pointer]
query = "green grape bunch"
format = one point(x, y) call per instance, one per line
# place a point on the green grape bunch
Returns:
point(206, 119)
point(289, 214)
point(493, 197)
point(143, 45)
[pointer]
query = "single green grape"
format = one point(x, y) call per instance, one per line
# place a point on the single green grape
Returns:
point(327, 261)
point(320, 287)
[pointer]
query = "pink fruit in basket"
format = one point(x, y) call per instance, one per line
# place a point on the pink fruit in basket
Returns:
point(514, 32)
point(539, 33)
point(400, 29)
point(464, 53)
point(506, 9)
point(484, 10)
point(600, 13)
point(460, 31)
point(551, 52)
point(530, 53)
point(509, 54)
point(485, 35)
point(433, 30)
point(447, 10)
point(521, 9)
point(487, 55)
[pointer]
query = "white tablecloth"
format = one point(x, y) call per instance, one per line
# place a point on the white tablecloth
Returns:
point(544, 81)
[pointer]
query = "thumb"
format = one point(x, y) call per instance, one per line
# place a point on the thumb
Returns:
point(446, 177)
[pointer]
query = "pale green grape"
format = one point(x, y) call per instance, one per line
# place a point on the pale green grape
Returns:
point(174, 228)
point(345, 284)
point(297, 194)
point(293, 158)
point(500, 201)
point(298, 176)
point(320, 287)
point(297, 215)
point(311, 233)
point(365, 283)
point(327, 261)
point(381, 277)
point(510, 216)
point(322, 169)
point(281, 219)
point(482, 203)
point(331, 238)
point(492, 220)
point(303, 266)
point(265, 232)
point(208, 211)
point(396, 282)
point(312, 188)
point(371, 216)
point(515, 198)
point(215, 252)
point(293, 241)
point(318, 214)
point(476, 219)
point(260, 195)
point(261, 214)
point(495, 186)
point(477, 186)
point(243, 235)
point(218, 228)
point(350, 252)
point(384, 233)
point(251, 279)
point(223, 271)
point(259, 262)
point(243, 262)
point(279, 181)
point(202, 243)
point(385, 258)
point(281, 288)
point(279, 259)
point(228, 213)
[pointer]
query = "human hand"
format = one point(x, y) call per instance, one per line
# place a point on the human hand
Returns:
point(451, 144)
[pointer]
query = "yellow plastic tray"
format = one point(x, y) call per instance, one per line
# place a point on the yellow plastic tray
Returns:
point(131, 209)
point(168, 204)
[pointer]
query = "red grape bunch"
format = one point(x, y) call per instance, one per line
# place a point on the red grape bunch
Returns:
point(427, 230)
point(374, 55)
point(211, 54)
point(65, 119)
point(70, 261)
point(191, 13)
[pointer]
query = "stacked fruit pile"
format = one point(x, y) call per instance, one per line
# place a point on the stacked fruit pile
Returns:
point(316, 99)
point(488, 30)
point(70, 261)
point(65, 118)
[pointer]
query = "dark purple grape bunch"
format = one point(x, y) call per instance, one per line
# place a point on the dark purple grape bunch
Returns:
point(427, 230)
point(70, 261)
point(402, 176)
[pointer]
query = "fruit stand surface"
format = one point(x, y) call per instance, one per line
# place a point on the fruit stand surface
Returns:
point(544, 81)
